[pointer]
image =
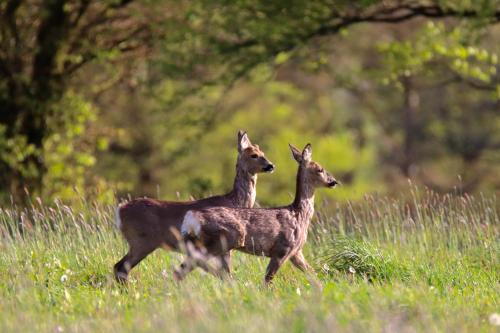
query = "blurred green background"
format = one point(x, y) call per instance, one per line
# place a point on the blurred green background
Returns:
point(144, 98)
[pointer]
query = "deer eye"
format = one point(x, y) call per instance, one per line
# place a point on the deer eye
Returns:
point(254, 156)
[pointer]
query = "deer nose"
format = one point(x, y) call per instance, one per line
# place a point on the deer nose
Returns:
point(269, 168)
point(333, 183)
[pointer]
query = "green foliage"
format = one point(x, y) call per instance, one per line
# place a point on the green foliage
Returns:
point(69, 153)
point(272, 121)
point(445, 122)
point(14, 150)
point(360, 258)
point(451, 49)
point(170, 83)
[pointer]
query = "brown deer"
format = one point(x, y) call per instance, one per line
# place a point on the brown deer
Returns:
point(148, 224)
point(277, 233)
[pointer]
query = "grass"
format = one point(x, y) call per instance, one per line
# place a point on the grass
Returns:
point(430, 264)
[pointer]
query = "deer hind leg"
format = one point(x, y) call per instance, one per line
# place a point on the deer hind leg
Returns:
point(301, 263)
point(184, 269)
point(221, 250)
point(218, 266)
point(196, 257)
point(215, 258)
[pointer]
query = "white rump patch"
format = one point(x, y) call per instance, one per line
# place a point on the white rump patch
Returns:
point(118, 220)
point(190, 225)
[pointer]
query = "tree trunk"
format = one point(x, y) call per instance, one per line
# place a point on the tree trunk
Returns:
point(410, 109)
point(28, 103)
point(22, 119)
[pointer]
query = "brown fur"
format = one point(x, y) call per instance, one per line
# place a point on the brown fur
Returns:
point(277, 233)
point(148, 224)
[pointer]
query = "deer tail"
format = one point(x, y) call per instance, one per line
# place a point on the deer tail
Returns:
point(118, 220)
point(191, 226)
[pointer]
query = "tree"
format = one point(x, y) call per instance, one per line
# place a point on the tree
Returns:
point(42, 44)
point(245, 33)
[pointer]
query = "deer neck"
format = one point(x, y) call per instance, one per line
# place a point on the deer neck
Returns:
point(304, 198)
point(244, 188)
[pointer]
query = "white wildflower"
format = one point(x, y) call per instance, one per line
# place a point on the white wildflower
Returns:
point(494, 319)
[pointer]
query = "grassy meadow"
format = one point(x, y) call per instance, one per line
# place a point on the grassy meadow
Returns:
point(428, 263)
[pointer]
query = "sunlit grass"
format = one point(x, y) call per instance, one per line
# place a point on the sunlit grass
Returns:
point(430, 263)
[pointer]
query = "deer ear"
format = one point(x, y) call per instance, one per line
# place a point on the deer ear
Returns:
point(295, 153)
point(307, 153)
point(243, 141)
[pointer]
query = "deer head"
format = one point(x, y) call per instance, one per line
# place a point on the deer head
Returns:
point(250, 157)
point(313, 174)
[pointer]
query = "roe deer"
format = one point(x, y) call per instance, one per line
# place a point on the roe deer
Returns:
point(148, 224)
point(278, 233)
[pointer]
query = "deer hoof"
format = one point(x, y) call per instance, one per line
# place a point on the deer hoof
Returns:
point(178, 276)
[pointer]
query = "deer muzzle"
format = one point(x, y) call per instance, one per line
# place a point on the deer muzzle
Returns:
point(333, 183)
point(269, 168)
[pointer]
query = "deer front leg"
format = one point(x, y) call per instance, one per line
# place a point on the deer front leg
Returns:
point(274, 264)
point(301, 263)
point(225, 260)
point(130, 260)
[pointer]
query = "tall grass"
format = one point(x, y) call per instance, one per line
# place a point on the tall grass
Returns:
point(423, 263)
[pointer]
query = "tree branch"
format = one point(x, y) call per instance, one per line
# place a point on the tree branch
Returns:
point(121, 4)
point(10, 36)
point(124, 44)
point(84, 5)
point(378, 14)
point(10, 19)
point(52, 32)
